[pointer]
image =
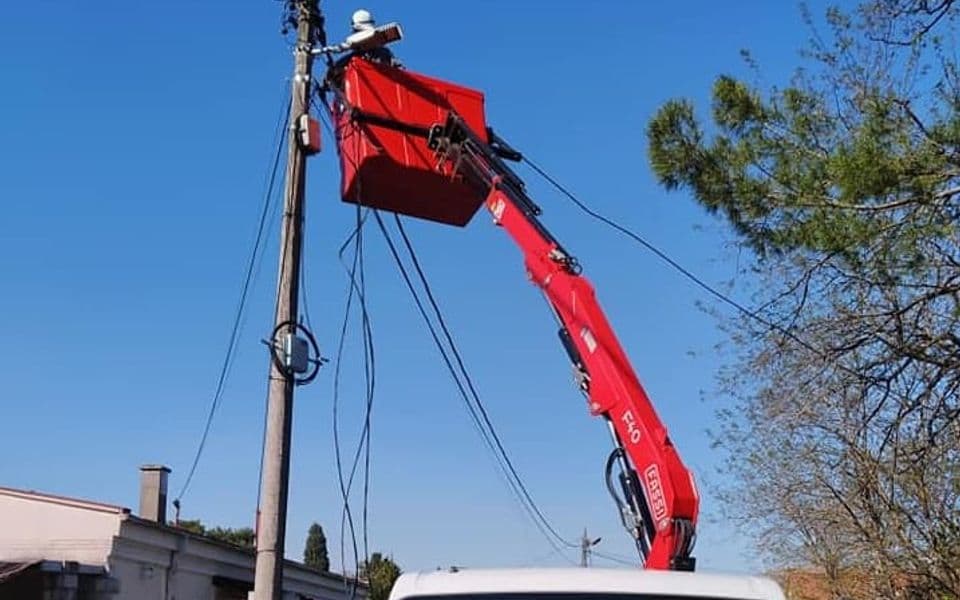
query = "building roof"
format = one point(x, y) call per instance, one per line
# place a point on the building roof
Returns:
point(579, 580)
point(64, 500)
point(127, 515)
point(340, 579)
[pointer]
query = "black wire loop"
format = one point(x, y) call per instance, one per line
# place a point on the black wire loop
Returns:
point(277, 357)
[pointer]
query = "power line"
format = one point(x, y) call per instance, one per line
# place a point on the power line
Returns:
point(478, 414)
point(280, 139)
point(649, 246)
point(233, 340)
point(614, 558)
point(369, 360)
point(358, 285)
point(357, 288)
point(369, 364)
point(469, 381)
point(755, 315)
point(488, 434)
point(538, 560)
point(472, 410)
point(346, 515)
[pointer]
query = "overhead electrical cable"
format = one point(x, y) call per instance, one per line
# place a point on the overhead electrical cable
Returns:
point(476, 409)
point(649, 246)
point(235, 329)
point(474, 415)
point(469, 381)
point(753, 314)
point(613, 558)
point(357, 288)
point(345, 484)
point(487, 433)
point(282, 131)
point(346, 514)
point(369, 363)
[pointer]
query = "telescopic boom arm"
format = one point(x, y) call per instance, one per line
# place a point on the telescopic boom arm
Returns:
point(657, 498)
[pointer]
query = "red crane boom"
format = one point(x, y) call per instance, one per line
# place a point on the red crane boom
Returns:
point(659, 502)
point(456, 157)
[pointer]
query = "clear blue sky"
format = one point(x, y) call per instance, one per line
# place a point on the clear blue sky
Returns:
point(135, 137)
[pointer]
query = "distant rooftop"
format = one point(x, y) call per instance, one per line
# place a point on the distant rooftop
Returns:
point(64, 500)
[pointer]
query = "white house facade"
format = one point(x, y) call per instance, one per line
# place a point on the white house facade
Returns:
point(58, 548)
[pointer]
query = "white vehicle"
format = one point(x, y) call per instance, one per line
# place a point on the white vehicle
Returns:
point(580, 584)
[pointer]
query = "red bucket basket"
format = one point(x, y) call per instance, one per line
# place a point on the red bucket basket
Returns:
point(384, 159)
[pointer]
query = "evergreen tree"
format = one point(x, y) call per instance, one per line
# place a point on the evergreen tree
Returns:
point(843, 442)
point(381, 573)
point(243, 537)
point(315, 551)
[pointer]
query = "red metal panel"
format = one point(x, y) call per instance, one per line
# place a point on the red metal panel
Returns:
point(394, 170)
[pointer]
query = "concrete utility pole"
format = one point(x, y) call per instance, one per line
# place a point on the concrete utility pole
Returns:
point(585, 544)
point(272, 519)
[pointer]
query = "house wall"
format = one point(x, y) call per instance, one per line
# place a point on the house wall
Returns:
point(55, 530)
point(143, 560)
point(148, 559)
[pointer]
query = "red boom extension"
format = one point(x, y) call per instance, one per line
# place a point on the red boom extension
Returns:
point(657, 496)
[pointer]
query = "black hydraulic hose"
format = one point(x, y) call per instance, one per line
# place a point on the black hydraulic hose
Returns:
point(615, 454)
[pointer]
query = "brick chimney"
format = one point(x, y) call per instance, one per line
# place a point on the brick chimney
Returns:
point(153, 493)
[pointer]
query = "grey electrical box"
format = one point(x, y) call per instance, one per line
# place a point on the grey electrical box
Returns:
point(296, 354)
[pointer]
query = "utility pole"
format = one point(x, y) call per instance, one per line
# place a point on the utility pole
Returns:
point(272, 514)
point(585, 544)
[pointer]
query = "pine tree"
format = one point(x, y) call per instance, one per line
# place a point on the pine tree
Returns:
point(315, 551)
point(842, 439)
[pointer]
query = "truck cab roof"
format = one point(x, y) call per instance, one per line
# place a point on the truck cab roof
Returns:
point(581, 584)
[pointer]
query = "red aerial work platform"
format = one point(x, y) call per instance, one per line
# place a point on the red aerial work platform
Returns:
point(419, 146)
point(382, 137)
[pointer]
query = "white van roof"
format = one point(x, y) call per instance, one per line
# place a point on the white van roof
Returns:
point(589, 581)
